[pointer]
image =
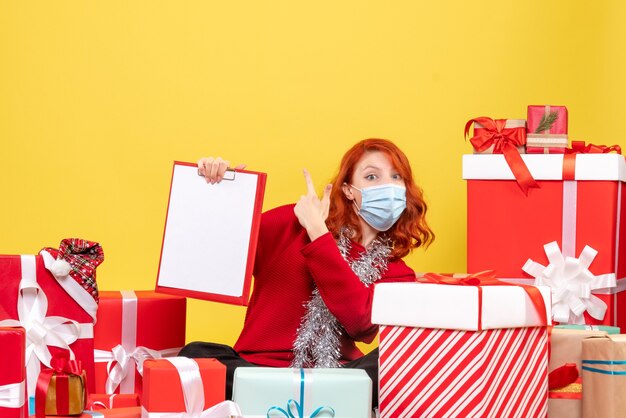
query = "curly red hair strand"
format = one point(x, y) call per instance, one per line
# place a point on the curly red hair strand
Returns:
point(411, 230)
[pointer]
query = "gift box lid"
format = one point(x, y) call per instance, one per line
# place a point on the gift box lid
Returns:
point(425, 305)
point(603, 328)
point(545, 167)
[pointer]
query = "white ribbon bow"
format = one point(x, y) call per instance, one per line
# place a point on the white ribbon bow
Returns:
point(121, 364)
point(12, 395)
point(571, 284)
point(41, 330)
point(193, 394)
point(127, 354)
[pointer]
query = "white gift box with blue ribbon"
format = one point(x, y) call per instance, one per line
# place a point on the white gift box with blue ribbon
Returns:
point(302, 393)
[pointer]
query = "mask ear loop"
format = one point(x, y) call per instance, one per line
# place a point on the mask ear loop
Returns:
point(358, 210)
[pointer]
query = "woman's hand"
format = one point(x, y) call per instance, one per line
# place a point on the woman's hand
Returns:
point(312, 211)
point(213, 169)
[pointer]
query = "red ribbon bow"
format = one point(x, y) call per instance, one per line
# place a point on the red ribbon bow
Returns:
point(505, 141)
point(61, 367)
point(562, 376)
point(488, 278)
point(474, 279)
point(579, 147)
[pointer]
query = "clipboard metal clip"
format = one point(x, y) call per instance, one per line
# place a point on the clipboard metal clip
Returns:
point(229, 174)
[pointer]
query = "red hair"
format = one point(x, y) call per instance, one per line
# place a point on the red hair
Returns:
point(411, 230)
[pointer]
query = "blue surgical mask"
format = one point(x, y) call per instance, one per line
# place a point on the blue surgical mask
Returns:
point(381, 206)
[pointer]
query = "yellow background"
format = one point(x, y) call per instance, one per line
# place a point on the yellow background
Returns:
point(98, 98)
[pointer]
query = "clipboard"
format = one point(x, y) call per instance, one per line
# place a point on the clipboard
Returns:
point(210, 235)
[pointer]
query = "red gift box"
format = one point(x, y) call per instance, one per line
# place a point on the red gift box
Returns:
point(173, 384)
point(554, 118)
point(547, 130)
point(13, 376)
point(488, 356)
point(134, 326)
point(61, 390)
point(58, 308)
point(578, 206)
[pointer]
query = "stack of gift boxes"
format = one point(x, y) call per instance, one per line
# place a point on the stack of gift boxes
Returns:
point(540, 214)
point(69, 355)
point(532, 329)
point(61, 358)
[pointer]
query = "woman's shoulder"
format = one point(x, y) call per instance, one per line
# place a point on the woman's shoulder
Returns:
point(279, 220)
point(399, 271)
point(284, 211)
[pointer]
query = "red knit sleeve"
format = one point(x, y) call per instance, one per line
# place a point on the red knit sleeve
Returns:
point(349, 300)
point(278, 227)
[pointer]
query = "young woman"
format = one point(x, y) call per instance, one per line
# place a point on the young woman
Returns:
point(317, 261)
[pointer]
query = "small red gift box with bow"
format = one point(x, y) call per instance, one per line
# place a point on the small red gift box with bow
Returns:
point(61, 389)
point(503, 136)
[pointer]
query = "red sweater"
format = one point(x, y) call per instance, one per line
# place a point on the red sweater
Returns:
point(287, 267)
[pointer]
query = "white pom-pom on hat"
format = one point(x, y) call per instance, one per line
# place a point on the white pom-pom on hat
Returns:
point(60, 268)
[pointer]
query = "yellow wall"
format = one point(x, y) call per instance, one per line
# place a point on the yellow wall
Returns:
point(98, 98)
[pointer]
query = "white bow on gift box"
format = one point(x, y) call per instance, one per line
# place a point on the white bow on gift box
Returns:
point(125, 357)
point(571, 284)
point(42, 330)
point(193, 394)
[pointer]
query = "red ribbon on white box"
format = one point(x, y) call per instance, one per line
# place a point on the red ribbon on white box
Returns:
point(124, 358)
point(41, 330)
point(193, 394)
point(12, 395)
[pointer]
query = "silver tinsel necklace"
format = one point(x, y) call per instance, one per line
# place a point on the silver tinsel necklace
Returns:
point(318, 339)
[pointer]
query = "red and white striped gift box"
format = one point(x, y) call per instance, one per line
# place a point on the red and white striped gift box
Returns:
point(446, 351)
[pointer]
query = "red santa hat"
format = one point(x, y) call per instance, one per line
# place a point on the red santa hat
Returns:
point(79, 259)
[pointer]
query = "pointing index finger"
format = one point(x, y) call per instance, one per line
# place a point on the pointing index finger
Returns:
point(309, 182)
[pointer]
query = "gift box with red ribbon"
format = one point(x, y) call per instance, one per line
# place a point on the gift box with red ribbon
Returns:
point(13, 375)
point(566, 388)
point(61, 390)
point(187, 387)
point(56, 312)
point(546, 121)
point(134, 326)
point(567, 234)
point(494, 136)
point(547, 130)
point(506, 137)
point(462, 347)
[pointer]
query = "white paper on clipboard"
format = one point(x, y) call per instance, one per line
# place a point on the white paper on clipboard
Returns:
point(210, 235)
